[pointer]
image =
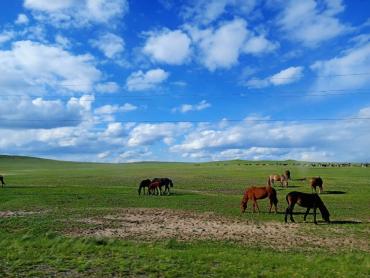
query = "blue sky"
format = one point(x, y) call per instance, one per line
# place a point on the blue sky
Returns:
point(122, 81)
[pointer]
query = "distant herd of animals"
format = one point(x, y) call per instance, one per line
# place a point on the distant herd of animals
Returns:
point(308, 201)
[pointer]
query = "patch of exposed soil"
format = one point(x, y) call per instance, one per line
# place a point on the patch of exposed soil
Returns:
point(157, 224)
point(9, 213)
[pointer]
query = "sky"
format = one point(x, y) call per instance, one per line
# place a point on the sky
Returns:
point(185, 80)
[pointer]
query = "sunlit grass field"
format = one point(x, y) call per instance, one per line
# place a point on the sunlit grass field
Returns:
point(44, 199)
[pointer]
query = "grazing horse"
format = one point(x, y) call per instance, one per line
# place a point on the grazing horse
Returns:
point(307, 201)
point(166, 182)
point(254, 193)
point(316, 182)
point(287, 174)
point(154, 188)
point(2, 181)
point(281, 178)
point(143, 184)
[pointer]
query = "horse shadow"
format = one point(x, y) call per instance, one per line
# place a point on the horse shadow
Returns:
point(345, 222)
point(333, 192)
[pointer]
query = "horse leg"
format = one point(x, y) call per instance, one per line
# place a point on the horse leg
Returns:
point(286, 214)
point(291, 207)
point(305, 215)
point(314, 214)
point(258, 209)
point(270, 206)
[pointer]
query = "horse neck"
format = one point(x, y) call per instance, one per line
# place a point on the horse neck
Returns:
point(323, 210)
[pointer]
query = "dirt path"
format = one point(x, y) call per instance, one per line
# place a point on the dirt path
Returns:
point(158, 224)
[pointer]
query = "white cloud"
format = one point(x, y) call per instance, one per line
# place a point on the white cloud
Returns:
point(22, 19)
point(286, 76)
point(111, 109)
point(192, 107)
point(207, 11)
point(221, 47)
point(310, 23)
point(42, 66)
point(346, 71)
point(148, 134)
point(110, 44)
point(77, 13)
point(39, 113)
point(6, 36)
point(107, 87)
point(171, 47)
point(140, 81)
point(63, 41)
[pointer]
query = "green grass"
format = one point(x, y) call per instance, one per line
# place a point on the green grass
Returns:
point(36, 245)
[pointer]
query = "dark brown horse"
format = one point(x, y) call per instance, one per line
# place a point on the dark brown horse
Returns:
point(309, 201)
point(2, 181)
point(287, 174)
point(166, 182)
point(316, 182)
point(143, 184)
point(255, 193)
point(154, 188)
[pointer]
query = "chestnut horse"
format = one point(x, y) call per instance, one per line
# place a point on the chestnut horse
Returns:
point(143, 184)
point(154, 188)
point(2, 181)
point(316, 182)
point(283, 179)
point(254, 193)
point(309, 201)
point(166, 182)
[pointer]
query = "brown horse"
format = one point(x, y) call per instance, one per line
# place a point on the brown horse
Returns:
point(307, 201)
point(255, 193)
point(283, 179)
point(316, 182)
point(166, 182)
point(287, 174)
point(154, 188)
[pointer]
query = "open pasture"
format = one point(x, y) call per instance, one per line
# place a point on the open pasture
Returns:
point(86, 219)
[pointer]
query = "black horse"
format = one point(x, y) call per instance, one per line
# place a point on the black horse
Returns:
point(143, 184)
point(166, 182)
point(308, 201)
point(2, 181)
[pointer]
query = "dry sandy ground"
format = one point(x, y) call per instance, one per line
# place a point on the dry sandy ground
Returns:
point(157, 224)
point(9, 213)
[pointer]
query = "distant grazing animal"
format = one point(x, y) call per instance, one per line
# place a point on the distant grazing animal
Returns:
point(309, 201)
point(143, 184)
point(316, 182)
point(166, 182)
point(281, 178)
point(2, 181)
point(154, 188)
point(254, 193)
point(287, 174)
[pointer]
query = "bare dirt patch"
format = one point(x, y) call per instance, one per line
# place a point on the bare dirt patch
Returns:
point(9, 213)
point(159, 224)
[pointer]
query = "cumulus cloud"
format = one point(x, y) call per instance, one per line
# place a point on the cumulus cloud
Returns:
point(77, 13)
point(22, 19)
point(107, 87)
point(346, 71)
point(42, 66)
point(111, 109)
point(170, 47)
point(206, 11)
point(192, 107)
point(148, 134)
point(41, 113)
point(221, 47)
point(310, 23)
point(63, 41)
point(6, 36)
point(140, 81)
point(110, 44)
point(286, 76)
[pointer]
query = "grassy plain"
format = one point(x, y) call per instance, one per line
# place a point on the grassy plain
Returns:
point(45, 200)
